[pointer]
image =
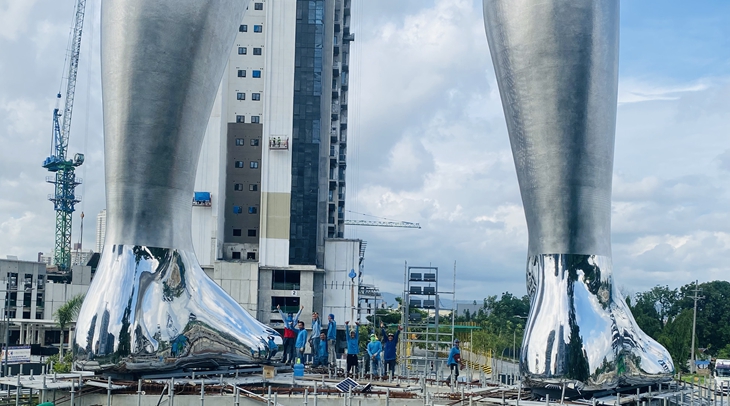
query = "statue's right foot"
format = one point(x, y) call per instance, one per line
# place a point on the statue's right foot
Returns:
point(580, 331)
point(156, 309)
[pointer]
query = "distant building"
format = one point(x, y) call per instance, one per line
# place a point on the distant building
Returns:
point(33, 299)
point(81, 257)
point(100, 230)
point(45, 258)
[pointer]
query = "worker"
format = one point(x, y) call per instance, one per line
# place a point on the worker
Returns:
point(332, 339)
point(316, 329)
point(290, 322)
point(273, 348)
point(374, 349)
point(389, 350)
point(320, 358)
point(301, 341)
point(454, 362)
point(353, 347)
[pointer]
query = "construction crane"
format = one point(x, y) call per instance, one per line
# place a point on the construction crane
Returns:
point(401, 224)
point(65, 181)
point(383, 222)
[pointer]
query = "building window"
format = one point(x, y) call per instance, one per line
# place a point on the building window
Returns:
point(255, 96)
point(256, 74)
point(240, 96)
point(253, 165)
point(240, 142)
point(241, 73)
point(243, 28)
point(237, 209)
point(287, 304)
point(251, 256)
point(235, 255)
point(255, 120)
point(258, 28)
point(242, 50)
point(257, 51)
point(238, 187)
point(253, 210)
point(240, 119)
point(286, 280)
point(39, 316)
point(258, 6)
point(255, 142)
point(239, 164)
point(252, 233)
point(236, 232)
point(253, 187)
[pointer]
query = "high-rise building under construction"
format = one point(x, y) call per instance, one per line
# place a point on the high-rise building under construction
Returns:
point(271, 175)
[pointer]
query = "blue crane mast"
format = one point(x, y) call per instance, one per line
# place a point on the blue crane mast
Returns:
point(65, 181)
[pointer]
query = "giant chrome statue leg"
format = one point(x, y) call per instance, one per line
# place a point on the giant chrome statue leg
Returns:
point(557, 68)
point(151, 306)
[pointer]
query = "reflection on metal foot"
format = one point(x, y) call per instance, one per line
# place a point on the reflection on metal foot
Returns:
point(155, 309)
point(580, 331)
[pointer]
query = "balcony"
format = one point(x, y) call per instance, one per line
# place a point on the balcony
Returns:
point(278, 143)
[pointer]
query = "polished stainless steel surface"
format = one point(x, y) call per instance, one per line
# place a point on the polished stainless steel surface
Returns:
point(581, 332)
point(155, 309)
point(556, 63)
point(150, 305)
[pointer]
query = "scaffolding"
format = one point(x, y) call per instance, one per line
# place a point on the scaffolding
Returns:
point(427, 341)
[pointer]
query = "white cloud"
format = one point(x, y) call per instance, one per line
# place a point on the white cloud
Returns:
point(14, 17)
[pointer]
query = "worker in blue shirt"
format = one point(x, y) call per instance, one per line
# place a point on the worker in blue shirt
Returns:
point(353, 347)
point(301, 341)
point(454, 361)
point(320, 358)
point(374, 349)
point(389, 351)
point(316, 329)
point(332, 339)
point(273, 348)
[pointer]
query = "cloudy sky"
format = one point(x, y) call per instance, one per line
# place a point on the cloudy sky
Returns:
point(429, 142)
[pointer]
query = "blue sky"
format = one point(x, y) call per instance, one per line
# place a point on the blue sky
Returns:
point(428, 141)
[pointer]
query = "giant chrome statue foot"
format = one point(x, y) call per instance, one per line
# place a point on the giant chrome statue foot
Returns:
point(580, 331)
point(556, 63)
point(155, 309)
point(150, 306)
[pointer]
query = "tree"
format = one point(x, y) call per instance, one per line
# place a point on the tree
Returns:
point(676, 337)
point(66, 314)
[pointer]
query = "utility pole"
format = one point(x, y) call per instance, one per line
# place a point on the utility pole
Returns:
point(693, 367)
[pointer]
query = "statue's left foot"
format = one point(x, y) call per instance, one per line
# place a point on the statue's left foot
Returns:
point(156, 309)
point(580, 331)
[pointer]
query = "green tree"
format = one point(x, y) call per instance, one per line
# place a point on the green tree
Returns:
point(66, 314)
point(676, 337)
